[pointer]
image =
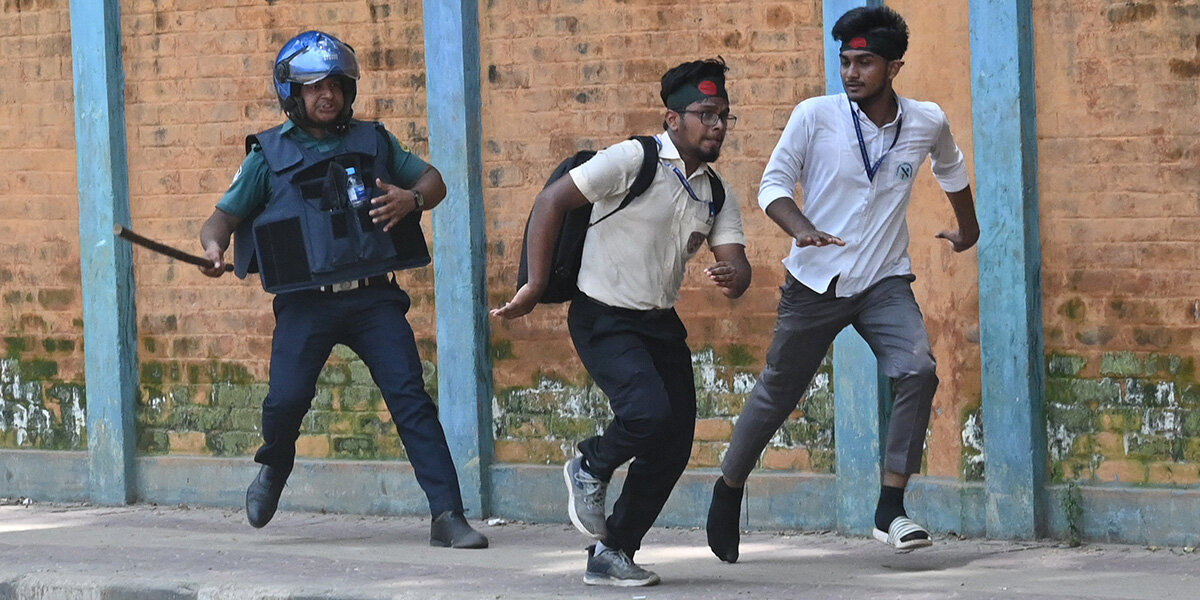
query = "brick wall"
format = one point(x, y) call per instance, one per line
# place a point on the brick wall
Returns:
point(1119, 181)
point(41, 374)
point(937, 68)
point(198, 81)
point(564, 76)
point(577, 75)
point(1117, 83)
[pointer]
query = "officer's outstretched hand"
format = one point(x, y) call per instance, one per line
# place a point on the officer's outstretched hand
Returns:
point(393, 205)
point(520, 305)
point(217, 257)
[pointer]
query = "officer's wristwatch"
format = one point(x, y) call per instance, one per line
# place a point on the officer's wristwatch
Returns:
point(420, 200)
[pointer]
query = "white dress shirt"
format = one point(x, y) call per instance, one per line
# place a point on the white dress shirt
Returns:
point(637, 258)
point(819, 150)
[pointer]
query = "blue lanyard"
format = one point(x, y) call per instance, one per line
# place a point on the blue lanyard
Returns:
point(862, 146)
point(712, 208)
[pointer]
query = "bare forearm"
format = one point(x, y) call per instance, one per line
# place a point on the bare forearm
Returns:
point(967, 233)
point(218, 230)
point(431, 186)
point(544, 221)
point(732, 272)
point(963, 204)
point(785, 214)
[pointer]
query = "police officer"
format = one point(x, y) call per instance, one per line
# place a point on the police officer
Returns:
point(325, 207)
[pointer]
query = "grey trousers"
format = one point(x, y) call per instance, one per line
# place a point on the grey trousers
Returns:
point(887, 317)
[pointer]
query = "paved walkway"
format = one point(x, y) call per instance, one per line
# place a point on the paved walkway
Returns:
point(143, 552)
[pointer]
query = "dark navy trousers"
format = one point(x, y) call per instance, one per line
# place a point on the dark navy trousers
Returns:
point(370, 321)
point(640, 359)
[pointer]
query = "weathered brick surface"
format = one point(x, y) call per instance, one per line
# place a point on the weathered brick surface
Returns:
point(42, 402)
point(1137, 422)
point(563, 76)
point(1118, 186)
point(1119, 180)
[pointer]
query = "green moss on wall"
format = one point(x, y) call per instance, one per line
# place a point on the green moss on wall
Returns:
point(1133, 424)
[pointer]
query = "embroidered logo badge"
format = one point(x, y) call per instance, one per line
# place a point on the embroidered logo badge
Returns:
point(904, 171)
point(858, 43)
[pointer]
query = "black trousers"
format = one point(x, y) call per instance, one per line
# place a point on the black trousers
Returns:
point(370, 321)
point(640, 359)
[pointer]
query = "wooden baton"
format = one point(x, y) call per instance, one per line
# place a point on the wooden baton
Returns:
point(127, 234)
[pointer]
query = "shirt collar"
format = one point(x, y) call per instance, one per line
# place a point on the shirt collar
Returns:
point(668, 151)
point(306, 139)
point(899, 111)
point(291, 128)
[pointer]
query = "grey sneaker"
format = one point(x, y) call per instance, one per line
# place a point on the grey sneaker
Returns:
point(613, 567)
point(586, 498)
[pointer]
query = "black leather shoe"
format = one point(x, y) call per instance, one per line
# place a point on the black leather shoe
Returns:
point(262, 497)
point(451, 530)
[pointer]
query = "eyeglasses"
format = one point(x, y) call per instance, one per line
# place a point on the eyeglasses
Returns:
point(710, 119)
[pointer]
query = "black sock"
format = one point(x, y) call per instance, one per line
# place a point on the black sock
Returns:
point(891, 505)
point(722, 525)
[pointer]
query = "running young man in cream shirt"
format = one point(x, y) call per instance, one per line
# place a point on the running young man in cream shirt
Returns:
point(623, 322)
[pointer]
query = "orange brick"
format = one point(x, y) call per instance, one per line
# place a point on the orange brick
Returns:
point(313, 446)
point(787, 459)
point(706, 455)
point(1123, 471)
point(187, 442)
point(1173, 473)
point(713, 430)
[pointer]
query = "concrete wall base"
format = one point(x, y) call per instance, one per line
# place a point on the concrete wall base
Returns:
point(775, 501)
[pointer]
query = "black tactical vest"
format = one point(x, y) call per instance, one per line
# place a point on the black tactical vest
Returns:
point(307, 235)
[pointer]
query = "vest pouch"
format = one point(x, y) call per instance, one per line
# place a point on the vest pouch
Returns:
point(333, 241)
point(329, 223)
point(374, 243)
point(280, 246)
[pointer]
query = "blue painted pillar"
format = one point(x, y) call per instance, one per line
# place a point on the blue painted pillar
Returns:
point(859, 390)
point(459, 244)
point(1010, 286)
point(109, 315)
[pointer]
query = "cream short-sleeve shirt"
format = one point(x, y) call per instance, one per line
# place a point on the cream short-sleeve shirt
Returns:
point(636, 259)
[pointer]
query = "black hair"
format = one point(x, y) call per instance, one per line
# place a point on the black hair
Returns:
point(677, 77)
point(876, 20)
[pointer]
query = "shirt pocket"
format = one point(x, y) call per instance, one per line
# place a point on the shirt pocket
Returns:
point(900, 168)
point(696, 225)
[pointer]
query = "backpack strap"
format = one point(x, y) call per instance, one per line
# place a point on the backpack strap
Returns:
point(649, 168)
point(718, 191)
point(645, 175)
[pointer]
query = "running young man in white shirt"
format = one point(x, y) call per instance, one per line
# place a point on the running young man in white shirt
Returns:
point(854, 156)
point(623, 321)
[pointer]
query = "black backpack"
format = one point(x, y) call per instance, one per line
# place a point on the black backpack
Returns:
point(568, 248)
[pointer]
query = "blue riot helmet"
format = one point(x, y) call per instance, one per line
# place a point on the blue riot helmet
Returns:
point(309, 58)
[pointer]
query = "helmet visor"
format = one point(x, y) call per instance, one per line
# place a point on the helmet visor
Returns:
point(318, 60)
